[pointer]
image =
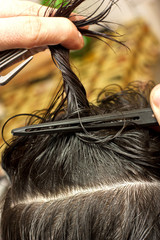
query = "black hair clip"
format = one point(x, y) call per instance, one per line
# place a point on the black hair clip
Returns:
point(141, 117)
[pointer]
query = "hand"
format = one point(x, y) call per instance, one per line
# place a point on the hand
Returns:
point(22, 25)
point(155, 101)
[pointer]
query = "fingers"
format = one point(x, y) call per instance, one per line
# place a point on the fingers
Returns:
point(12, 8)
point(155, 102)
point(31, 32)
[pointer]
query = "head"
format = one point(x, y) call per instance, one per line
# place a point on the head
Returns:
point(85, 185)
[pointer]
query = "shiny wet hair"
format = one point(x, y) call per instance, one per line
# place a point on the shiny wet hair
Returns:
point(99, 185)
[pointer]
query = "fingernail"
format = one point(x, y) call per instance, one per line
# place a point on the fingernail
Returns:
point(81, 41)
point(156, 96)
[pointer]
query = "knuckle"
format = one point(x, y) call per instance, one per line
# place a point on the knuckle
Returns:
point(33, 10)
point(33, 31)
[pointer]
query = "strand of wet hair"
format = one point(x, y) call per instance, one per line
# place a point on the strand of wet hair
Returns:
point(75, 91)
point(18, 115)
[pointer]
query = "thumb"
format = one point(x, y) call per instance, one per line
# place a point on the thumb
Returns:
point(155, 101)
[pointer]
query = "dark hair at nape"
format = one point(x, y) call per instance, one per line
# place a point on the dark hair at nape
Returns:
point(84, 186)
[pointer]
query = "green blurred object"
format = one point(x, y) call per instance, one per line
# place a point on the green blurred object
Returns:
point(80, 53)
point(48, 2)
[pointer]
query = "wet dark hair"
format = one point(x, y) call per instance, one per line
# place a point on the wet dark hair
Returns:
point(85, 185)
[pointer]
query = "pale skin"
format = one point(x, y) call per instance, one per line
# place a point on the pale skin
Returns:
point(23, 25)
point(155, 102)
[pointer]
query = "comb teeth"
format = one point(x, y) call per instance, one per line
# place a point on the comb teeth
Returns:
point(8, 57)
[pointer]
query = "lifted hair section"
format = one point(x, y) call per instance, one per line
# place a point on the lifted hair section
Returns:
point(73, 88)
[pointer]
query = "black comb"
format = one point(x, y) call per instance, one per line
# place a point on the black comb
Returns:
point(140, 117)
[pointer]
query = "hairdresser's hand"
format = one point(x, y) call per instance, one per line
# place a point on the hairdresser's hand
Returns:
point(155, 102)
point(22, 25)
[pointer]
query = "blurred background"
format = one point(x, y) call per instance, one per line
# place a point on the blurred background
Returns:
point(97, 64)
